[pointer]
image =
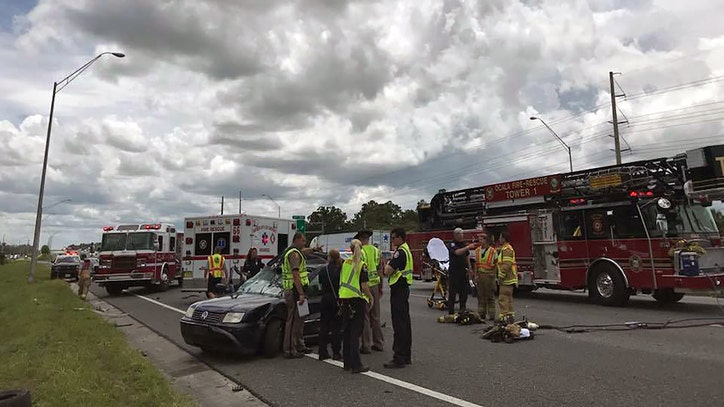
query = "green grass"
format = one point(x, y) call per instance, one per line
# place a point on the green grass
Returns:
point(69, 357)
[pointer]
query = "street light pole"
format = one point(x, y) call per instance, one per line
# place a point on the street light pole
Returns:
point(39, 215)
point(279, 208)
point(567, 147)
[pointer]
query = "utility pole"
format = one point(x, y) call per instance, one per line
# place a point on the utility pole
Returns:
point(239, 202)
point(222, 204)
point(617, 142)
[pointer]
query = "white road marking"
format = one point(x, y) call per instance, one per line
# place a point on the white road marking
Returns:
point(391, 380)
point(405, 385)
point(160, 304)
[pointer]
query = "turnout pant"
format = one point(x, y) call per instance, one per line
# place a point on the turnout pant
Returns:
point(294, 328)
point(372, 334)
point(84, 283)
point(486, 294)
point(353, 315)
point(458, 286)
point(505, 301)
point(400, 306)
point(330, 322)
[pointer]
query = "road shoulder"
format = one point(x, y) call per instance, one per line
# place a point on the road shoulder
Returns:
point(185, 372)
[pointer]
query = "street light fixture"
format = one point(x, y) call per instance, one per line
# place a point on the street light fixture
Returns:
point(279, 208)
point(570, 159)
point(57, 87)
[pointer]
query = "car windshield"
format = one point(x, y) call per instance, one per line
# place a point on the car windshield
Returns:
point(113, 241)
point(140, 241)
point(266, 282)
point(684, 219)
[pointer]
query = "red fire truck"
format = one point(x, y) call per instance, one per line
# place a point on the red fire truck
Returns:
point(135, 255)
point(640, 227)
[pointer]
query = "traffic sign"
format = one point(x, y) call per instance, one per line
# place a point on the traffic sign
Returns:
point(299, 217)
point(301, 225)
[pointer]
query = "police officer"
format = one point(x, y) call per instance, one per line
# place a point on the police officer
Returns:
point(215, 272)
point(458, 272)
point(372, 337)
point(507, 276)
point(399, 273)
point(354, 296)
point(295, 280)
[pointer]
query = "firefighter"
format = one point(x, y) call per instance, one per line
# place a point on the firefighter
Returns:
point(84, 279)
point(372, 338)
point(295, 280)
point(399, 273)
point(216, 272)
point(507, 276)
point(485, 277)
point(354, 298)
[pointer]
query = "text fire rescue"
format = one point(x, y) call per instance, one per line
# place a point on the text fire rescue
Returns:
point(523, 188)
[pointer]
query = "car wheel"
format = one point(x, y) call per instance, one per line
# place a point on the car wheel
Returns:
point(273, 337)
point(113, 289)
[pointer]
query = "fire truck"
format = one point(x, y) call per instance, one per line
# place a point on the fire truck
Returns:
point(234, 234)
point(615, 231)
point(137, 255)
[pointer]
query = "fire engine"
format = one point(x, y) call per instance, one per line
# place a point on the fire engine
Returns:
point(615, 231)
point(134, 255)
point(234, 234)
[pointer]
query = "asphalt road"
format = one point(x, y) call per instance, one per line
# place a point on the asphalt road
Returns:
point(635, 367)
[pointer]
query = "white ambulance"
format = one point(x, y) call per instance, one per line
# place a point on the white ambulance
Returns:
point(234, 234)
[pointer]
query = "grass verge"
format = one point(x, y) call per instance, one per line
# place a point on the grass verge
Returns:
point(54, 345)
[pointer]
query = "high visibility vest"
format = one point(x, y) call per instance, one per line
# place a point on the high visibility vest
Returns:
point(287, 276)
point(484, 259)
point(407, 271)
point(216, 265)
point(506, 254)
point(371, 257)
point(349, 285)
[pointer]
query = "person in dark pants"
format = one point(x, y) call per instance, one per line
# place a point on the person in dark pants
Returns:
point(458, 271)
point(355, 298)
point(330, 320)
point(399, 276)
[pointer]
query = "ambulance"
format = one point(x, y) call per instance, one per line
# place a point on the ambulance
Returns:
point(235, 235)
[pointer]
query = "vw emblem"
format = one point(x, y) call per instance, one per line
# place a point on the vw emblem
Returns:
point(204, 314)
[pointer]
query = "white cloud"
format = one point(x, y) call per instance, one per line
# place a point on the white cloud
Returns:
point(319, 102)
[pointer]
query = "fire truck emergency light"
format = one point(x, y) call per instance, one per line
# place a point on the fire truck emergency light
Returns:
point(576, 201)
point(634, 194)
point(149, 227)
point(107, 228)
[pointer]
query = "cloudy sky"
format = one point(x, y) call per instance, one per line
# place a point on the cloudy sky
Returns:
point(327, 102)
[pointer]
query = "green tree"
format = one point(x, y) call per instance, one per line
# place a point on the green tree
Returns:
point(329, 218)
point(410, 220)
point(45, 250)
point(375, 215)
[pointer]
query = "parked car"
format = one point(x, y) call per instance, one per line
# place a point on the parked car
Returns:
point(66, 266)
point(251, 321)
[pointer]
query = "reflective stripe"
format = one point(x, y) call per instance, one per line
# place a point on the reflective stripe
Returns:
point(351, 287)
point(216, 269)
point(484, 259)
point(288, 276)
point(511, 277)
point(371, 256)
point(407, 272)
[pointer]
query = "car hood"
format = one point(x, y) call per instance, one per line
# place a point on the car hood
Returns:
point(241, 303)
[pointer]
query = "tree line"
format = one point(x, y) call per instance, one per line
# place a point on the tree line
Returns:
point(372, 215)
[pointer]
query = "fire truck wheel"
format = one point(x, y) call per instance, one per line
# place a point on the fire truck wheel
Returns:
point(606, 286)
point(667, 296)
point(273, 337)
point(113, 289)
point(163, 281)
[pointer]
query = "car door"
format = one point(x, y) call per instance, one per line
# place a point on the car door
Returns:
point(311, 324)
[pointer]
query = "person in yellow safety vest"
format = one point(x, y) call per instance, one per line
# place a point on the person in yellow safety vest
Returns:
point(216, 272)
point(295, 280)
point(485, 277)
point(372, 337)
point(507, 276)
point(354, 298)
point(399, 274)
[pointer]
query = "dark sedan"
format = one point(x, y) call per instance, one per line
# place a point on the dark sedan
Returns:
point(251, 321)
point(65, 266)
